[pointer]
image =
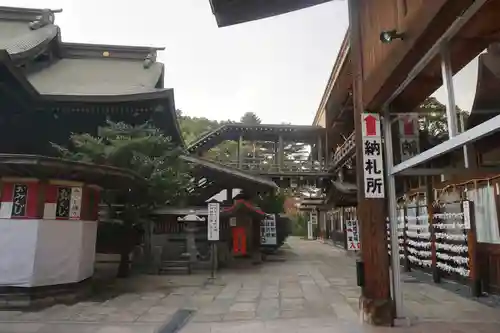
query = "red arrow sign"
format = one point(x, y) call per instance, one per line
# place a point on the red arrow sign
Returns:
point(408, 128)
point(371, 125)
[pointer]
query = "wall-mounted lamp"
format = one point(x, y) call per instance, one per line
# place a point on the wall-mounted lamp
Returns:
point(387, 37)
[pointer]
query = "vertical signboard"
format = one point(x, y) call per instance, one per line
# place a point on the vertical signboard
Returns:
point(19, 200)
point(213, 221)
point(75, 207)
point(372, 156)
point(353, 241)
point(466, 210)
point(268, 230)
point(409, 143)
point(314, 216)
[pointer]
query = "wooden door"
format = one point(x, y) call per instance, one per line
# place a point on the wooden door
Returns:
point(239, 241)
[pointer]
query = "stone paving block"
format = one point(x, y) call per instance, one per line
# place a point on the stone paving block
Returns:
point(237, 327)
point(195, 327)
point(296, 313)
point(121, 317)
point(239, 315)
point(292, 303)
point(344, 312)
point(214, 310)
point(244, 307)
point(246, 298)
point(200, 300)
point(268, 314)
point(163, 310)
point(92, 318)
point(9, 315)
point(127, 329)
point(266, 303)
point(69, 328)
point(20, 327)
point(206, 318)
point(154, 318)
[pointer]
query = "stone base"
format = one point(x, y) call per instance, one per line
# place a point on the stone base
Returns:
point(15, 298)
point(376, 312)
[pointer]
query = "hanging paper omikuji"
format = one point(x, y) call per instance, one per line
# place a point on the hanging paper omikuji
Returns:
point(373, 167)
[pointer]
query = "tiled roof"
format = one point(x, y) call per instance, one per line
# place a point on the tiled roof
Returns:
point(78, 69)
point(104, 76)
point(19, 40)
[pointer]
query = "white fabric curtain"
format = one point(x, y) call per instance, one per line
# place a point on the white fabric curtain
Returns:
point(485, 211)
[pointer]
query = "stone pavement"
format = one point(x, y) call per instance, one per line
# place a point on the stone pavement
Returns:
point(313, 290)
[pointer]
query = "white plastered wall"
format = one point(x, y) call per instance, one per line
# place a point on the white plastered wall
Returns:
point(46, 252)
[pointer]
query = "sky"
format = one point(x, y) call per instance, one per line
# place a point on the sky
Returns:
point(276, 67)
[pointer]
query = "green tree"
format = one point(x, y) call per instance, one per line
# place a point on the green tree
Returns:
point(193, 128)
point(272, 202)
point(434, 123)
point(250, 118)
point(149, 153)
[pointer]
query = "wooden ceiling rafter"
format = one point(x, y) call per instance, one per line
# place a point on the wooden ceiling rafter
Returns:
point(473, 39)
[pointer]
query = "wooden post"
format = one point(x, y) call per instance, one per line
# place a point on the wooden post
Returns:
point(474, 278)
point(375, 302)
point(406, 261)
point(281, 152)
point(240, 152)
point(429, 195)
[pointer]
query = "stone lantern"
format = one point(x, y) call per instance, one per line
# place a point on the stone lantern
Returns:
point(191, 227)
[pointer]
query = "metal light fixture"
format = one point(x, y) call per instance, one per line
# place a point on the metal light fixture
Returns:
point(387, 37)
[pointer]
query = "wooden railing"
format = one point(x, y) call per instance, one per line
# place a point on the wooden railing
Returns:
point(344, 151)
point(250, 164)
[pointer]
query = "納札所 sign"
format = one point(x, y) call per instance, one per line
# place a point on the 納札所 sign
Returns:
point(373, 168)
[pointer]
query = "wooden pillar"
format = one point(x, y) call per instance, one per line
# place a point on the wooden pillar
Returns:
point(469, 220)
point(431, 210)
point(240, 152)
point(281, 153)
point(406, 261)
point(320, 150)
point(375, 302)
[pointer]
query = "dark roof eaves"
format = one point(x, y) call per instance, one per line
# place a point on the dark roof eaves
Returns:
point(22, 14)
point(118, 98)
point(6, 60)
point(86, 51)
point(19, 55)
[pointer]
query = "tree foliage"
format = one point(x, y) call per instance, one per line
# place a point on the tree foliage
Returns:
point(272, 202)
point(434, 123)
point(143, 149)
point(250, 118)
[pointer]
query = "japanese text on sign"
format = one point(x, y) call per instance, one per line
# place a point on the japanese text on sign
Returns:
point(19, 200)
point(75, 203)
point(268, 230)
point(213, 221)
point(409, 142)
point(63, 202)
point(353, 241)
point(373, 167)
point(314, 216)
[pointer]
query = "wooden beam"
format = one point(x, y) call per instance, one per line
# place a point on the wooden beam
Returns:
point(423, 31)
point(375, 302)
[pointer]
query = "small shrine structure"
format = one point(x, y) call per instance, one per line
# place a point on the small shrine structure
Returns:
point(49, 213)
point(244, 232)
